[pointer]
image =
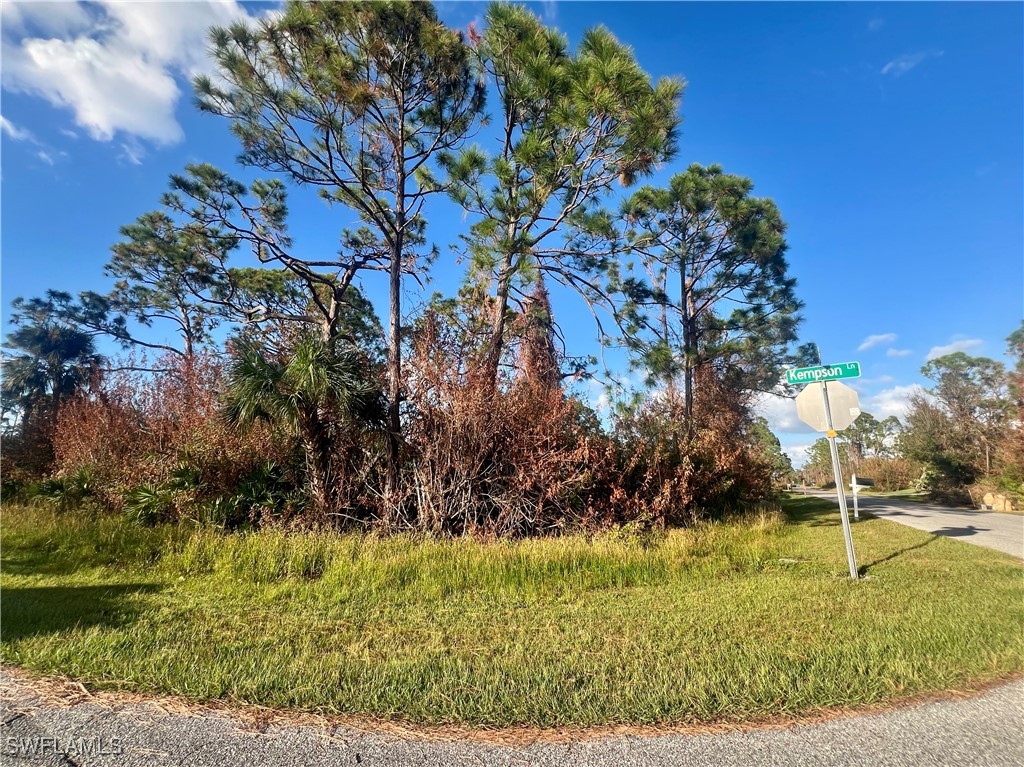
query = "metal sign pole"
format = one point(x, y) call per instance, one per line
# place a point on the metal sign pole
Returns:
point(840, 490)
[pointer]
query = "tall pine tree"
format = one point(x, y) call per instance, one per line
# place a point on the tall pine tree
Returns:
point(572, 125)
point(719, 292)
point(354, 98)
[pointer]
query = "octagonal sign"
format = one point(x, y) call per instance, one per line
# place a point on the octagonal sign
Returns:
point(842, 400)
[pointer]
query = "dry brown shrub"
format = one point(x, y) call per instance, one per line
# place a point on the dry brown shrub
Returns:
point(521, 458)
point(1009, 449)
point(139, 427)
point(674, 476)
point(26, 456)
point(506, 460)
point(890, 474)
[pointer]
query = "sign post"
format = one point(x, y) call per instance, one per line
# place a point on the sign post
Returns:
point(840, 490)
point(818, 413)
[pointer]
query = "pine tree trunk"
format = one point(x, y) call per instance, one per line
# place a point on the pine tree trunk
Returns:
point(395, 356)
point(496, 343)
point(686, 304)
point(395, 380)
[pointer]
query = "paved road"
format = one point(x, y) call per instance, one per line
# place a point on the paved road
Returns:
point(984, 730)
point(992, 529)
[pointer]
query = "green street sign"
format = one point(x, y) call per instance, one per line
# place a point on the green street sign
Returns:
point(823, 373)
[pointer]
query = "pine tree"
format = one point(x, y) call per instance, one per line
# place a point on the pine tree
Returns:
point(355, 99)
point(165, 275)
point(718, 291)
point(572, 125)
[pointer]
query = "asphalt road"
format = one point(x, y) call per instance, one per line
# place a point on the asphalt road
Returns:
point(992, 529)
point(983, 730)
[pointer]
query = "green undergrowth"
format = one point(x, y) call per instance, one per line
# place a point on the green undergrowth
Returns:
point(741, 619)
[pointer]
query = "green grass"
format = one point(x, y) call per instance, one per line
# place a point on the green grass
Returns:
point(731, 621)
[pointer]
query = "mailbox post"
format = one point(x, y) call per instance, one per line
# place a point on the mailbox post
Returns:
point(857, 485)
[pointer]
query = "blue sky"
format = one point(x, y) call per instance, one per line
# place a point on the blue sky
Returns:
point(890, 135)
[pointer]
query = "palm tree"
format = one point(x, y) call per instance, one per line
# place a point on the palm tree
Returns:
point(313, 393)
point(57, 362)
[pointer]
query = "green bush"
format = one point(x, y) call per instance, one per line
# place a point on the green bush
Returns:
point(149, 504)
point(64, 492)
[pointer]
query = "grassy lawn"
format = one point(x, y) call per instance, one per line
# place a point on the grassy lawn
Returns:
point(722, 622)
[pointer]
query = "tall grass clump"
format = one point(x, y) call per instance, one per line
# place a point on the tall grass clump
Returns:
point(418, 566)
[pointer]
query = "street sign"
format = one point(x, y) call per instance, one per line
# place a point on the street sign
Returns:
point(843, 402)
point(823, 373)
point(836, 409)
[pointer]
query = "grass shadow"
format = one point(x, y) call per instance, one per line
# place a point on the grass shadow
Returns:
point(812, 511)
point(863, 569)
point(34, 611)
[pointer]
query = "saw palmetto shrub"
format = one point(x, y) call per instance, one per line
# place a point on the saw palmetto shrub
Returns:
point(328, 398)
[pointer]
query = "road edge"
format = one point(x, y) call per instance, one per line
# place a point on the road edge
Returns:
point(61, 691)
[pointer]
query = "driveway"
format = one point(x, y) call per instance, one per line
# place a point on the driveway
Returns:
point(991, 529)
point(982, 730)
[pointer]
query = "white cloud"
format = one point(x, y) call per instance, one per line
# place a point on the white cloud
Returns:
point(900, 65)
point(875, 24)
point(116, 66)
point(780, 412)
point(60, 19)
point(877, 340)
point(897, 352)
point(109, 88)
point(166, 32)
point(132, 151)
point(893, 401)
point(14, 132)
point(958, 345)
point(42, 151)
point(797, 454)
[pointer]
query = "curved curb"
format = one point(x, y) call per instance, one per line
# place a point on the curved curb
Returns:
point(17, 685)
point(979, 729)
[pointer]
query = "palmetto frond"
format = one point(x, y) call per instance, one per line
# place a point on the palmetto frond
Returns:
point(315, 378)
point(56, 361)
point(254, 390)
